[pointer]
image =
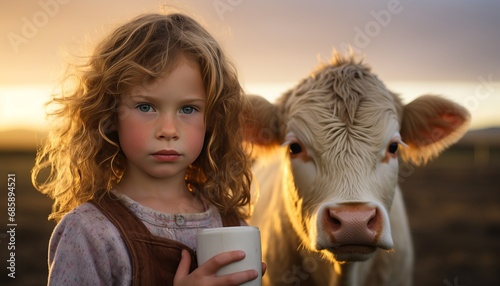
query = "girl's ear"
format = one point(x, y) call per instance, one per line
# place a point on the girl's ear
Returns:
point(263, 123)
point(431, 124)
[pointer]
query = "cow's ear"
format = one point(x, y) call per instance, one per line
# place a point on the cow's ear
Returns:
point(263, 122)
point(429, 125)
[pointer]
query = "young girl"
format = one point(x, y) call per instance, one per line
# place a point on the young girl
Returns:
point(147, 149)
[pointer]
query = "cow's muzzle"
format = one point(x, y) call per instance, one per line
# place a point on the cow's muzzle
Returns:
point(354, 231)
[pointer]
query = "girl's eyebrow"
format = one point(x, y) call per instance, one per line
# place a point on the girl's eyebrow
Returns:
point(194, 99)
point(188, 99)
point(140, 96)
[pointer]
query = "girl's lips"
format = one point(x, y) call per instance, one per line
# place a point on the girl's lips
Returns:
point(167, 155)
point(166, 152)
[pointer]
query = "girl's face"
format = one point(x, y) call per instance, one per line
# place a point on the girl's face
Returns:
point(161, 126)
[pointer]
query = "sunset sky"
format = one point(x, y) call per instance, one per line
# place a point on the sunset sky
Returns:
point(445, 47)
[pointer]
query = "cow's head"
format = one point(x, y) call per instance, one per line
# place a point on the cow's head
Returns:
point(344, 131)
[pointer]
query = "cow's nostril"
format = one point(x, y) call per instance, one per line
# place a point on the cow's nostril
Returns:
point(373, 222)
point(334, 221)
point(335, 224)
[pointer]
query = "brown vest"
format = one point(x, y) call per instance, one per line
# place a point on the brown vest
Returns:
point(154, 259)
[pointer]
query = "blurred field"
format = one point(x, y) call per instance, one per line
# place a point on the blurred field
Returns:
point(33, 229)
point(453, 205)
point(454, 211)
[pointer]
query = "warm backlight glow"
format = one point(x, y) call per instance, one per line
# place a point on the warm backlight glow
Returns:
point(22, 107)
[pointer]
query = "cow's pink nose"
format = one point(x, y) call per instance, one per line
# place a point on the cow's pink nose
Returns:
point(353, 224)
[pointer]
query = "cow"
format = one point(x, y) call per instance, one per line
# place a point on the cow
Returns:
point(327, 156)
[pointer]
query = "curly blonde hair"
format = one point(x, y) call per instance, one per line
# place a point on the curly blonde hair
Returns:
point(82, 152)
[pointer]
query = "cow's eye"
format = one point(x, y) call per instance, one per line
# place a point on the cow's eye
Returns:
point(295, 148)
point(393, 147)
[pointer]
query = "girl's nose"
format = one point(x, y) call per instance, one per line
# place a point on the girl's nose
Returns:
point(167, 128)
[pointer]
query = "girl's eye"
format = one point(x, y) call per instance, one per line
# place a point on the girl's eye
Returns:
point(295, 148)
point(188, 109)
point(393, 147)
point(145, 107)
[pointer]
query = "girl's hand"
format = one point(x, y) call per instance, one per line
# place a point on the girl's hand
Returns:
point(205, 273)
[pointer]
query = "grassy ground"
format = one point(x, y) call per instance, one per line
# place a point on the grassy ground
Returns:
point(453, 205)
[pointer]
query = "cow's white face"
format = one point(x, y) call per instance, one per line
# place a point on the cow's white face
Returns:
point(336, 185)
point(334, 178)
point(342, 139)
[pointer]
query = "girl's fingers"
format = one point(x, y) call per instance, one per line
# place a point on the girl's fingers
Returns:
point(222, 259)
point(184, 265)
point(237, 278)
point(205, 274)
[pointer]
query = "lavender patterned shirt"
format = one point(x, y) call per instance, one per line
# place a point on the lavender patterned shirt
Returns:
point(86, 248)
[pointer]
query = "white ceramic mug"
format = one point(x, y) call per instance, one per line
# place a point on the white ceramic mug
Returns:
point(212, 241)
